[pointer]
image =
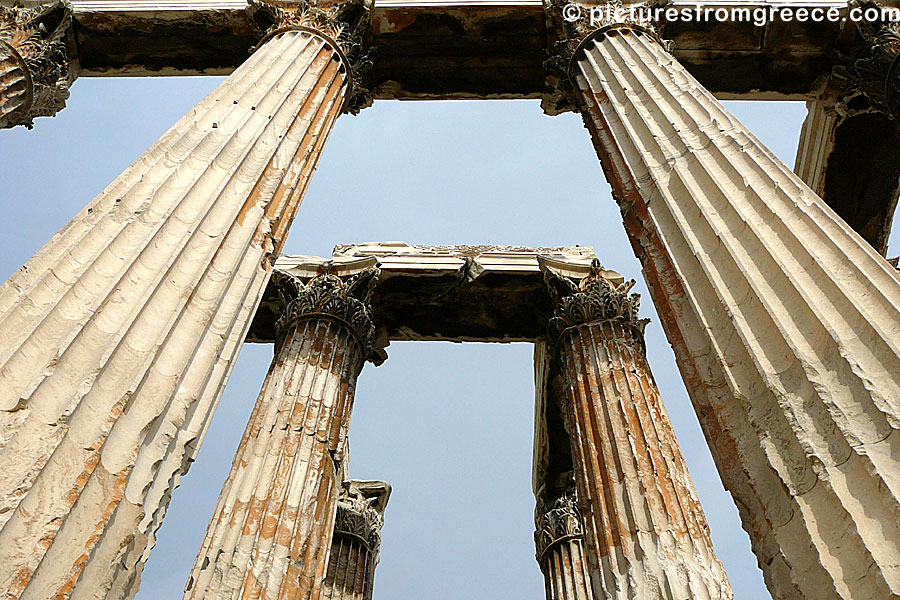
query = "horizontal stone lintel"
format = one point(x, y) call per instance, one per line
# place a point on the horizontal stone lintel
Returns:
point(444, 293)
point(452, 49)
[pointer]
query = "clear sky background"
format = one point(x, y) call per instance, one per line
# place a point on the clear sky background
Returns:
point(448, 425)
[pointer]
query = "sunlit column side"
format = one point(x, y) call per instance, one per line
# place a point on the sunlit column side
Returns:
point(645, 533)
point(118, 336)
point(271, 531)
point(35, 67)
point(558, 541)
point(784, 322)
point(355, 547)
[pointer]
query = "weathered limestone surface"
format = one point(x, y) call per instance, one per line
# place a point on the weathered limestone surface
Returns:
point(785, 323)
point(558, 540)
point(646, 535)
point(357, 540)
point(119, 335)
point(271, 531)
point(491, 293)
point(35, 68)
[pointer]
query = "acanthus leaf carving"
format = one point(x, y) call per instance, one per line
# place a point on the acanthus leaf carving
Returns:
point(35, 68)
point(593, 299)
point(347, 300)
point(360, 511)
point(557, 521)
point(873, 65)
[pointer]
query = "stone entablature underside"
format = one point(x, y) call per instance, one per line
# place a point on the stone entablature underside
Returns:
point(444, 293)
point(447, 49)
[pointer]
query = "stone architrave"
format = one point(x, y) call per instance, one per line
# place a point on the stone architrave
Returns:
point(558, 541)
point(784, 322)
point(355, 547)
point(35, 68)
point(271, 530)
point(645, 533)
point(118, 336)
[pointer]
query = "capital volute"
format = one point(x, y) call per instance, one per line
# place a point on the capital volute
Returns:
point(345, 24)
point(345, 300)
point(360, 511)
point(593, 299)
point(34, 61)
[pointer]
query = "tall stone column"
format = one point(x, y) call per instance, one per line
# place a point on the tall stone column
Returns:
point(558, 541)
point(815, 145)
point(119, 335)
point(645, 533)
point(271, 531)
point(35, 67)
point(784, 322)
point(357, 540)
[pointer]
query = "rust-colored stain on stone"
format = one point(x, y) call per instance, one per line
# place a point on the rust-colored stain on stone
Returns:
point(298, 420)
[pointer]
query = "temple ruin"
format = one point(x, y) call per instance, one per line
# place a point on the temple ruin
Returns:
point(117, 338)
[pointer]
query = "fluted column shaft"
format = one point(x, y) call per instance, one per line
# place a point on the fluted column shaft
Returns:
point(356, 542)
point(784, 322)
point(271, 531)
point(118, 335)
point(558, 540)
point(646, 535)
point(815, 145)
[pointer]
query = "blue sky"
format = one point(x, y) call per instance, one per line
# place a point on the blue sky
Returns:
point(448, 425)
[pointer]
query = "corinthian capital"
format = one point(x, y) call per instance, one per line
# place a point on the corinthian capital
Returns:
point(326, 296)
point(360, 511)
point(556, 522)
point(345, 23)
point(35, 70)
point(571, 25)
point(593, 299)
point(873, 65)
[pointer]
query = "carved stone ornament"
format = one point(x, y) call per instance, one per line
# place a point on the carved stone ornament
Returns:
point(571, 24)
point(556, 523)
point(346, 23)
point(593, 299)
point(360, 511)
point(327, 296)
point(873, 66)
point(35, 71)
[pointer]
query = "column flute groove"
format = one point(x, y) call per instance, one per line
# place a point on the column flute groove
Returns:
point(558, 540)
point(122, 330)
point(272, 527)
point(784, 322)
point(645, 533)
point(355, 548)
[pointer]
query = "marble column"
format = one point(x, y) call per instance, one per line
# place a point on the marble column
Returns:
point(119, 335)
point(271, 530)
point(646, 536)
point(355, 547)
point(35, 67)
point(558, 541)
point(816, 145)
point(784, 322)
